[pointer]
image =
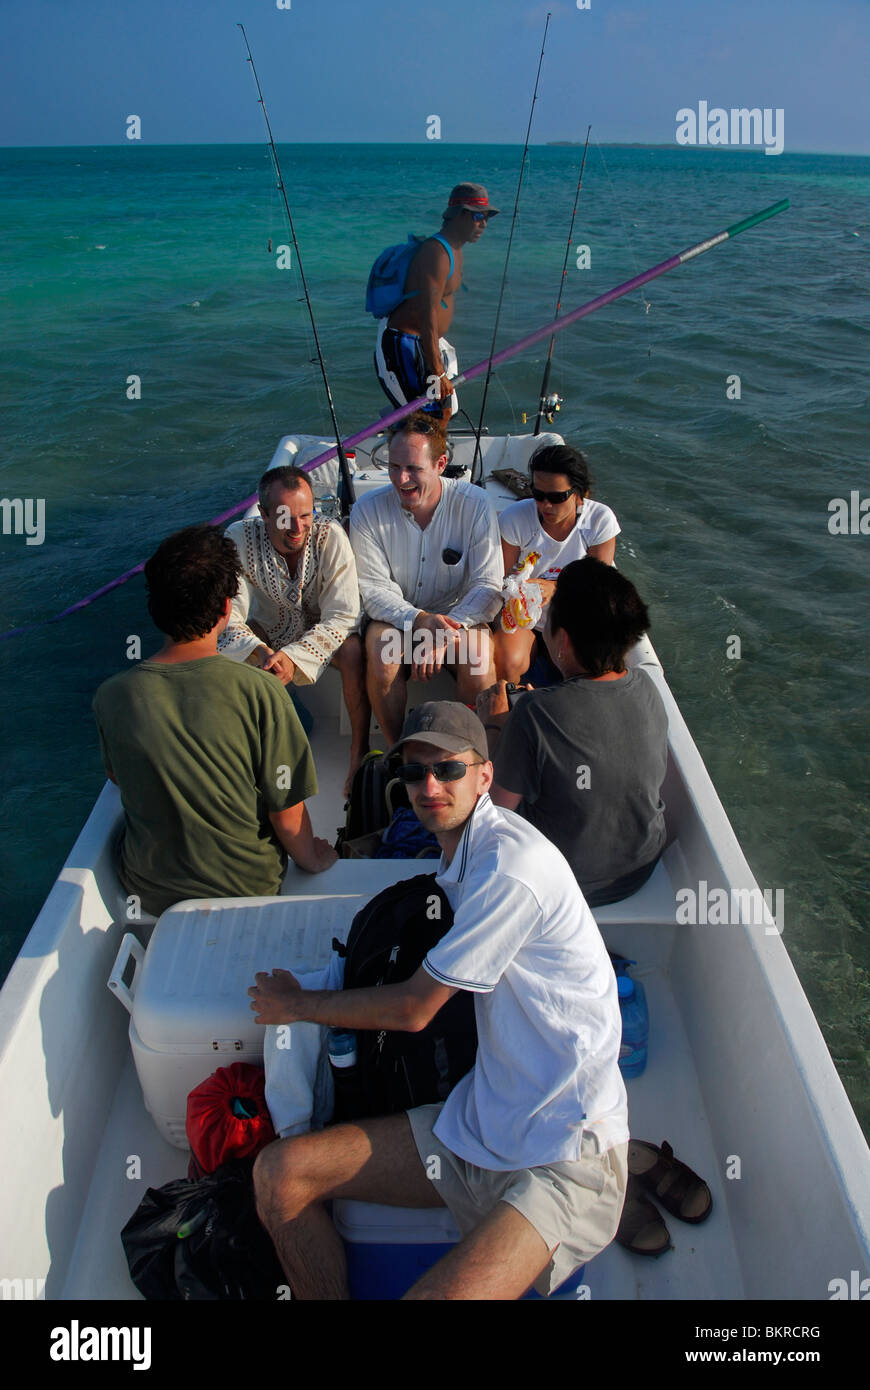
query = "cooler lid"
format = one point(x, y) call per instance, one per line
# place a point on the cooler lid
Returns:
point(203, 955)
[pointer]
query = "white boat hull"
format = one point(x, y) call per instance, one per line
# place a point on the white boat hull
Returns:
point(739, 1078)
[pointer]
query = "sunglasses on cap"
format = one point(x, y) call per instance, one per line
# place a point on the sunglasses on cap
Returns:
point(554, 497)
point(451, 770)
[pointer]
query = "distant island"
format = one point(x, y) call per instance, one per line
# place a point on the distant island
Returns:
point(619, 144)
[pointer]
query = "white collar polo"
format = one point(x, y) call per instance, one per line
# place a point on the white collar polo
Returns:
point(525, 943)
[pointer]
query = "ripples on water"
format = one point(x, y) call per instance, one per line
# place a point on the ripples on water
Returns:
point(154, 262)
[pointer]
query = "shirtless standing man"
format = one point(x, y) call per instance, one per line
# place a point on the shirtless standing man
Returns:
point(411, 347)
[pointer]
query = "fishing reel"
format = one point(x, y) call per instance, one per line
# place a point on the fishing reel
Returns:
point(549, 408)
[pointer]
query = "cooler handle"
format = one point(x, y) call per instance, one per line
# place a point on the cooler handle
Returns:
point(130, 946)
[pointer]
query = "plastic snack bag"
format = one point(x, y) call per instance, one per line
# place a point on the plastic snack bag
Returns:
point(522, 597)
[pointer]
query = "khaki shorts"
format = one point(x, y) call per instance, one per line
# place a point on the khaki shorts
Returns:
point(573, 1206)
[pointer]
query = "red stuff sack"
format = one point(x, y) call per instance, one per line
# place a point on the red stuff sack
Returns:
point(227, 1117)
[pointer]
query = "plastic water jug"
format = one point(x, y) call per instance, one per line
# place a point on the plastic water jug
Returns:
point(635, 1025)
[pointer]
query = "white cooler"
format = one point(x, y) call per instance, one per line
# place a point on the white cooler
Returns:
point(188, 1000)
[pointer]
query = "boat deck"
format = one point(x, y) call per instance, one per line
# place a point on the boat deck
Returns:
point(665, 1102)
point(738, 1076)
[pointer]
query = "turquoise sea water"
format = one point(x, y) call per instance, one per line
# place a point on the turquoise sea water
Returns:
point(153, 261)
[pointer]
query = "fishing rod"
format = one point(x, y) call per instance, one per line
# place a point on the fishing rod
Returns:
point(476, 457)
point(543, 402)
point(530, 339)
point(346, 489)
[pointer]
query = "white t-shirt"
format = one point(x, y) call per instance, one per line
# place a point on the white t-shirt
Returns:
point(520, 525)
point(548, 1021)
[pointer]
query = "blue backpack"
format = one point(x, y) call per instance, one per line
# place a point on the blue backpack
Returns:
point(386, 287)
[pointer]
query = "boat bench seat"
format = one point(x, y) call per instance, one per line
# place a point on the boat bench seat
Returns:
point(654, 903)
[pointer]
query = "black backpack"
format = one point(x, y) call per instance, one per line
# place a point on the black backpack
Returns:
point(396, 1071)
point(375, 794)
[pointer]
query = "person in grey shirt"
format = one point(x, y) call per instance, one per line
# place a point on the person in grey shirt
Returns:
point(429, 563)
point(585, 760)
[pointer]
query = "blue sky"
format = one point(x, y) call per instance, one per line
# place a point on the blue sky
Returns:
point(337, 70)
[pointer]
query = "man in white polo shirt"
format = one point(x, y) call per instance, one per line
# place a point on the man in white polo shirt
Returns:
point(532, 1142)
point(430, 567)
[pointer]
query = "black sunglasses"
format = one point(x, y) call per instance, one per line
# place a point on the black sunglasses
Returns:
point(451, 770)
point(554, 497)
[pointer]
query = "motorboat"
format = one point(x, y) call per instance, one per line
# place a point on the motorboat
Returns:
point(739, 1078)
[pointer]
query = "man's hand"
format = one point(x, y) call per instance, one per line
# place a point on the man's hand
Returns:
point(319, 857)
point(277, 998)
point(492, 704)
point(442, 635)
point(439, 386)
point(447, 389)
point(293, 829)
point(281, 666)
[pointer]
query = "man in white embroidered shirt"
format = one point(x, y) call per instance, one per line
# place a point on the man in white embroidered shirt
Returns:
point(428, 557)
point(532, 1142)
point(297, 607)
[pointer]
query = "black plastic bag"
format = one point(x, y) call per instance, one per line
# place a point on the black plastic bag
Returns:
point(202, 1240)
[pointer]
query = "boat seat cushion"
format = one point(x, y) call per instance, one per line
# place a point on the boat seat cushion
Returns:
point(654, 902)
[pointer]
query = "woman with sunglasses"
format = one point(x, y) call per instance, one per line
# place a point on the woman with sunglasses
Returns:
point(561, 523)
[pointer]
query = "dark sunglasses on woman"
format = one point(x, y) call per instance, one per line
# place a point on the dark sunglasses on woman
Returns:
point(554, 497)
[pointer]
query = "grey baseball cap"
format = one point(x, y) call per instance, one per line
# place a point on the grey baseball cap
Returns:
point(444, 724)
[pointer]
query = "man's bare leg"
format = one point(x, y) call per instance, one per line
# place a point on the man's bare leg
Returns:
point(373, 1161)
point(350, 661)
point(499, 1259)
point(385, 679)
point(477, 673)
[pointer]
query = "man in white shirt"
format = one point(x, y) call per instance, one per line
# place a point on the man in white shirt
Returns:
point(531, 1144)
point(429, 562)
point(297, 608)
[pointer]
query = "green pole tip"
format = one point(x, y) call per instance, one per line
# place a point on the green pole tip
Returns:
point(757, 217)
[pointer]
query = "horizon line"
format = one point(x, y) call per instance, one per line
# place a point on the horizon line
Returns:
point(457, 144)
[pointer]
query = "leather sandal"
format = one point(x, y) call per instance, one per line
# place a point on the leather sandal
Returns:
point(641, 1228)
point(679, 1190)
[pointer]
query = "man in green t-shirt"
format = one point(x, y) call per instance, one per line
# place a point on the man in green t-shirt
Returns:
point(211, 760)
